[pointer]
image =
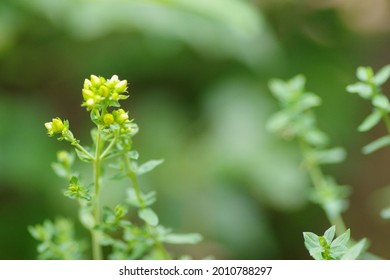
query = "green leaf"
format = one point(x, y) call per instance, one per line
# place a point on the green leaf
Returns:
point(278, 121)
point(279, 89)
point(59, 170)
point(308, 100)
point(82, 156)
point(385, 213)
point(364, 90)
point(149, 216)
point(316, 137)
point(381, 102)
point(311, 240)
point(189, 238)
point(297, 83)
point(86, 217)
point(333, 155)
point(377, 144)
point(342, 240)
point(382, 76)
point(355, 251)
point(370, 121)
point(329, 234)
point(148, 166)
point(364, 73)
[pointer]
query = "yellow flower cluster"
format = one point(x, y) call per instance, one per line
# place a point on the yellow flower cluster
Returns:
point(100, 93)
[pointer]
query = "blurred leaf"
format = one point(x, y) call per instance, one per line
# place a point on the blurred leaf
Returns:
point(381, 102)
point(278, 121)
point(148, 166)
point(334, 155)
point(376, 145)
point(355, 251)
point(364, 90)
point(188, 238)
point(279, 89)
point(382, 75)
point(370, 121)
point(385, 213)
point(309, 100)
point(60, 170)
point(364, 73)
point(149, 216)
point(316, 138)
point(82, 156)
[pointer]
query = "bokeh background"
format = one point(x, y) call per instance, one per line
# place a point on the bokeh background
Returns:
point(198, 73)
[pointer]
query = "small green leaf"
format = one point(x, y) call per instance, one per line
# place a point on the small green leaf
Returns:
point(297, 83)
point(316, 138)
point(278, 121)
point(279, 89)
point(364, 73)
point(370, 121)
point(86, 218)
point(385, 213)
point(355, 251)
point(364, 90)
point(377, 144)
point(82, 156)
point(148, 166)
point(381, 102)
point(311, 240)
point(333, 155)
point(329, 234)
point(149, 216)
point(59, 169)
point(189, 238)
point(382, 76)
point(308, 100)
point(342, 240)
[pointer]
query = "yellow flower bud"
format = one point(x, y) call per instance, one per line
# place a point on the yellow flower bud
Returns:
point(120, 116)
point(104, 91)
point(95, 80)
point(108, 119)
point(87, 94)
point(56, 126)
point(87, 84)
point(121, 86)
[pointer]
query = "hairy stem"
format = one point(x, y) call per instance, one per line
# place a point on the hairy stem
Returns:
point(318, 180)
point(96, 249)
point(133, 178)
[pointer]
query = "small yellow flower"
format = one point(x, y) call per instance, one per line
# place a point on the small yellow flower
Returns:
point(120, 116)
point(56, 126)
point(108, 119)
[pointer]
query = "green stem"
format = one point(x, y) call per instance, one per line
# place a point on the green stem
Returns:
point(97, 253)
point(106, 151)
point(386, 120)
point(81, 148)
point(133, 178)
point(318, 179)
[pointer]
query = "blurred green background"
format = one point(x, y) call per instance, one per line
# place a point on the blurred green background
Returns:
point(198, 73)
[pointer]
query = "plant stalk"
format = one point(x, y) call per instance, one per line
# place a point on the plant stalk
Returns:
point(97, 253)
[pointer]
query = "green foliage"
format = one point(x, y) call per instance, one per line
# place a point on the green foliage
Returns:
point(57, 240)
point(112, 148)
point(369, 87)
point(296, 121)
point(325, 247)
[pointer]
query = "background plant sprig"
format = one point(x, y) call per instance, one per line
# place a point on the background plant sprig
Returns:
point(369, 87)
point(111, 148)
point(296, 121)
